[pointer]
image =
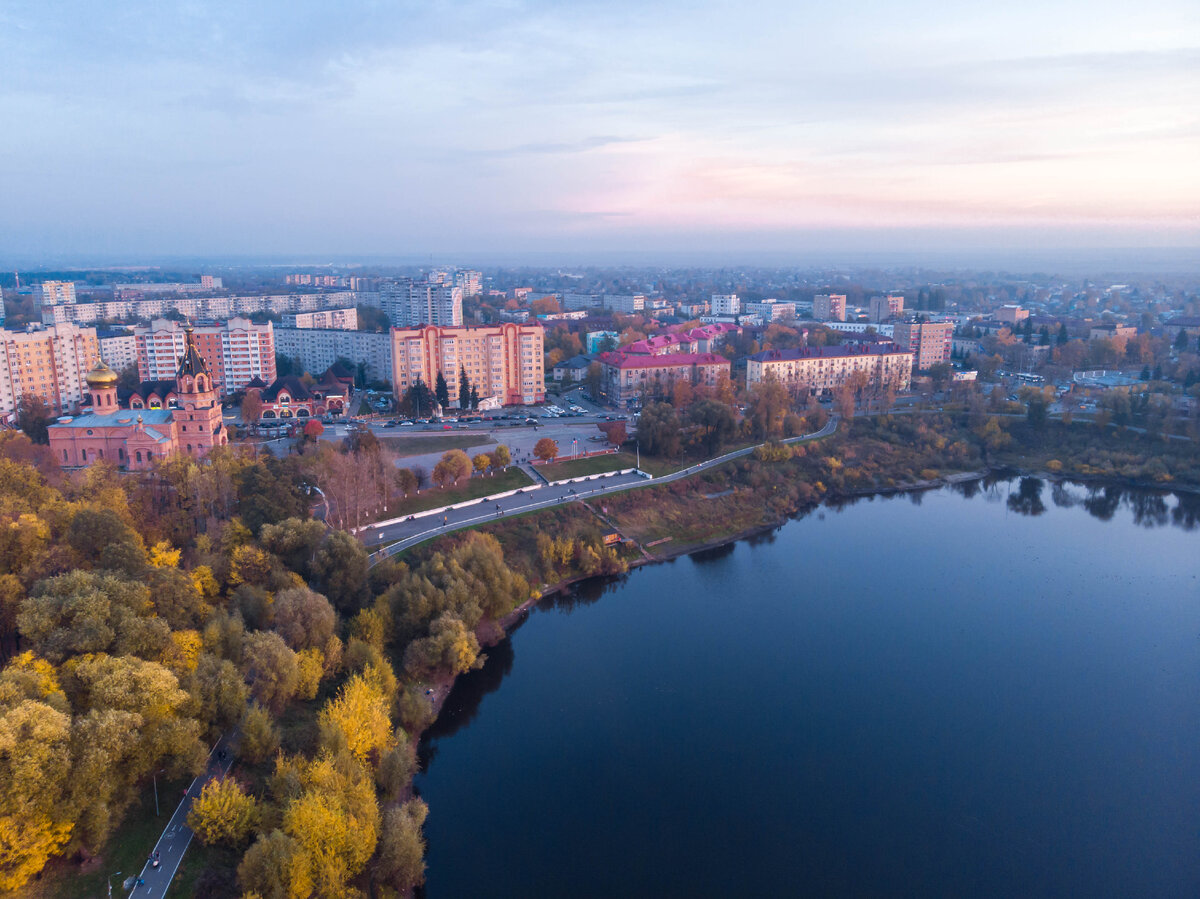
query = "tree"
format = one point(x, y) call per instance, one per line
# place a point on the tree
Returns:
point(304, 618)
point(843, 401)
point(658, 430)
point(406, 481)
point(768, 404)
point(259, 739)
point(481, 462)
point(313, 430)
point(464, 388)
point(715, 421)
point(454, 466)
point(942, 373)
point(340, 568)
point(223, 814)
point(450, 647)
point(1063, 337)
point(546, 449)
point(544, 306)
point(271, 669)
point(595, 378)
point(418, 399)
point(252, 407)
point(359, 719)
point(34, 416)
point(401, 859)
point(615, 431)
point(441, 391)
point(501, 457)
point(276, 867)
point(474, 397)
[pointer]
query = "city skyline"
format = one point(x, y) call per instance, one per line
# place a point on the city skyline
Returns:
point(521, 128)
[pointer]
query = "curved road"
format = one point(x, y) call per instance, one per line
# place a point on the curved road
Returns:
point(409, 533)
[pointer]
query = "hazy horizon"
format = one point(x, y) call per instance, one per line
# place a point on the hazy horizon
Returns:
point(140, 129)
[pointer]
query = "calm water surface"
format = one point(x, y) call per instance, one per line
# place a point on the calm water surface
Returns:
point(989, 694)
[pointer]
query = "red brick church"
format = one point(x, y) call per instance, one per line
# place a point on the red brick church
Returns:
point(188, 419)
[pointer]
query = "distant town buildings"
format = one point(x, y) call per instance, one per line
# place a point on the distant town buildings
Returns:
point(344, 319)
point(821, 370)
point(881, 309)
point(1108, 331)
point(46, 362)
point(234, 353)
point(118, 349)
point(929, 342)
point(771, 310)
point(193, 307)
point(627, 304)
point(599, 341)
point(501, 361)
point(1010, 314)
point(57, 293)
point(829, 307)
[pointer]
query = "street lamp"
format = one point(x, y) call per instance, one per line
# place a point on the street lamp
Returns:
point(638, 446)
point(110, 877)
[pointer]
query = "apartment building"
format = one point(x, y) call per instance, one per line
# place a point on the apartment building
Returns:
point(118, 349)
point(503, 361)
point(211, 282)
point(471, 282)
point(1010, 314)
point(57, 293)
point(821, 370)
point(628, 377)
point(48, 362)
point(573, 302)
point(234, 353)
point(218, 307)
point(772, 310)
point(1111, 330)
point(829, 307)
point(627, 304)
point(341, 319)
point(726, 304)
point(929, 342)
point(881, 309)
point(319, 348)
point(408, 304)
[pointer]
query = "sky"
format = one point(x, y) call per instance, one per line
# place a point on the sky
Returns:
point(404, 128)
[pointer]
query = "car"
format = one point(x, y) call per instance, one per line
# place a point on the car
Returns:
point(389, 424)
point(407, 424)
point(447, 427)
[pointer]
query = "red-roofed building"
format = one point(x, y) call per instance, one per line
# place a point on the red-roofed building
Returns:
point(630, 376)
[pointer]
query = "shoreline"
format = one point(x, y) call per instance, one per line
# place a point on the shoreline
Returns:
point(490, 633)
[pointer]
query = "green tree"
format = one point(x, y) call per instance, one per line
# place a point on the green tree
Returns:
point(715, 422)
point(401, 859)
point(501, 457)
point(259, 739)
point(658, 431)
point(464, 389)
point(441, 391)
point(304, 618)
point(271, 669)
point(223, 814)
point(34, 417)
point(418, 399)
point(340, 569)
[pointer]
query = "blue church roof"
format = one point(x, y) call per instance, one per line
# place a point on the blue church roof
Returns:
point(120, 417)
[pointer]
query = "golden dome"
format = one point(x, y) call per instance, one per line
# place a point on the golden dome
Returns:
point(100, 375)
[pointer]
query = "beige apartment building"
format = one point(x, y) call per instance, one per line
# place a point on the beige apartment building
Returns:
point(503, 361)
point(630, 377)
point(929, 342)
point(821, 370)
point(48, 362)
point(235, 352)
point(881, 309)
point(829, 307)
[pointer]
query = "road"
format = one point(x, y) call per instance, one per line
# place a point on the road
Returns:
point(410, 533)
point(177, 836)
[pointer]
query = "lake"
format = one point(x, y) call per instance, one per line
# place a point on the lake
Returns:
point(992, 689)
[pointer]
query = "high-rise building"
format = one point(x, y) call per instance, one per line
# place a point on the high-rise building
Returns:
point(210, 282)
point(881, 309)
point(408, 304)
point(829, 307)
point(471, 282)
point(235, 353)
point(929, 342)
point(625, 303)
point(772, 310)
point(502, 361)
point(319, 348)
point(118, 349)
point(57, 293)
point(726, 304)
point(47, 362)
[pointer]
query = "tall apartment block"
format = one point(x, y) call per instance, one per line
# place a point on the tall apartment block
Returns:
point(319, 348)
point(234, 353)
point(48, 362)
point(881, 309)
point(829, 307)
point(503, 361)
point(57, 293)
point(471, 282)
point(726, 304)
point(411, 303)
point(929, 342)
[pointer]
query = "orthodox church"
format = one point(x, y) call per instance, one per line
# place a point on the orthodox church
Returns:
point(162, 418)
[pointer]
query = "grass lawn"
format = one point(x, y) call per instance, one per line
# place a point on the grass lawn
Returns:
point(577, 468)
point(434, 443)
point(436, 497)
